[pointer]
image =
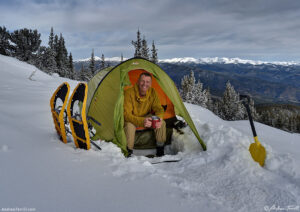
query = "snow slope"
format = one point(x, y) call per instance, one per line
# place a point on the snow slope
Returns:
point(38, 171)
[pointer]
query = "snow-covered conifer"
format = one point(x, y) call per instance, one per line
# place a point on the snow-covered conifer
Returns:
point(232, 108)
point(193, 92)
point(92, 63)
point(61, 55)
point(51, 39)
point(46, 60)
point(5, 47)
point(145, 49)
point(200, 95)
point(84, 74)
point(209, 103)
point(187, 86)
point(26, 44)
point(102, 63)
point(71, 67)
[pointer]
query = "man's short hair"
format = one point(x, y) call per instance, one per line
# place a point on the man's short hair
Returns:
point(145, 74)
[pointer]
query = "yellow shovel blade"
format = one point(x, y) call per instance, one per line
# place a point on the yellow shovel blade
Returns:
point(258, 152)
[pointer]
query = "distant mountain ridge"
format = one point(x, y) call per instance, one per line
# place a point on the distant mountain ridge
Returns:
point(223, 60)
point(204, 60)
point(266, 83)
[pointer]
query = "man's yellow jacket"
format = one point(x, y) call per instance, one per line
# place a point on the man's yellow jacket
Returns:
point(136, 108)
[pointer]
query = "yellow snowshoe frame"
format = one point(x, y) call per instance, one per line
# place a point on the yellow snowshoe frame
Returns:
point(79, 128)
point(61, 92)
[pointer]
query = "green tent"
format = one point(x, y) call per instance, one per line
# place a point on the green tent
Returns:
point(106, 96)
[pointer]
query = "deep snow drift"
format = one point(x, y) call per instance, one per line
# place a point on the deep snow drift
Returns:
point(40, 172)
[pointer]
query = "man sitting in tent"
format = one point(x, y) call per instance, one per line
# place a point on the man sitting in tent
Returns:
point(140, 103)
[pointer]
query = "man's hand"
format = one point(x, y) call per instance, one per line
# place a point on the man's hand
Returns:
point(158, 124)
point(148, 122)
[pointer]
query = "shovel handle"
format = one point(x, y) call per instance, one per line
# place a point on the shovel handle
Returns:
point(256, 141)
point(246, 104)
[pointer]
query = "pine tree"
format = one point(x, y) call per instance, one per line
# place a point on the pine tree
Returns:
point(187, 86)
point(27, 43)
point(253, 111)
point(298, 123)
point(209, 103)
point(46, 60)
point(61, 55)
point(278, 120)
point(5, 47)
point(57, 52)
point(92, 63)
point(232, 108)
point(295, 126)
point(64, 49)
point(83, 75)
point(154, 58)
point(137, 45)
point(50, 62)
point(102, 63)
point(145, 49)
point(217, 108)
point(39, 61)
point(190, 88)
point(48, 56)
point(192, 92)
point(51, 39)
point(56, 44)
point(200, 95)
point(71, 67)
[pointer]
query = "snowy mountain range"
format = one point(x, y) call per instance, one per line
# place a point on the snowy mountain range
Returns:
point(222, 60)
point(205, 60)
point(40, 173)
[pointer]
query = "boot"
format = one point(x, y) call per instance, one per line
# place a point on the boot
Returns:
point(130, 151)
point(160, 151)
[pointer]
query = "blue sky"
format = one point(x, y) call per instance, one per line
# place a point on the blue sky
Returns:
point(258, 29)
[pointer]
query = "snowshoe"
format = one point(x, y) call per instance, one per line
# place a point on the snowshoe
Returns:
point(77, 116)
point(58, 103)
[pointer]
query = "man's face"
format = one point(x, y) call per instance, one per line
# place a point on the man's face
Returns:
point(144, 84)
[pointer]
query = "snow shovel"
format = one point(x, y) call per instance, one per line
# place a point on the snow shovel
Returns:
point(258, 152)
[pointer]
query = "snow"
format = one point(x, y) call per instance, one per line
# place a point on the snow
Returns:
point(180, 60)
point(38, 171)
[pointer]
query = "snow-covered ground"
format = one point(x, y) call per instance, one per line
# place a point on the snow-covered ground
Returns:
point(39, 172)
